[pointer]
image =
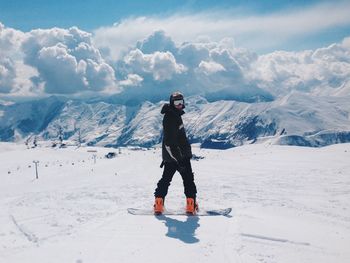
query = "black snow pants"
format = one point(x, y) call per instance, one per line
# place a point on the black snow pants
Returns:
point(187, 177)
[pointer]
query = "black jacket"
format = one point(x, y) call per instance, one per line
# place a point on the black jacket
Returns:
point(175, 147)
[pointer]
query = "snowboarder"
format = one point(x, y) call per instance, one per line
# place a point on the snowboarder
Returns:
point(176, 155)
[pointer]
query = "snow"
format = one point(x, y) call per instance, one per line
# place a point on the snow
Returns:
point(290, 204)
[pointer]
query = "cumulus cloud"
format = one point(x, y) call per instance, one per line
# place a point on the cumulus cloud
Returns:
point(131, 80)
point(67, 62)
point(162, 65)
point(191, 54)
point(11, 69)
point(10, 40)
point(7, 75)
point(52, 61)
point(158, 41)
point(214, 68)
point(321, 70)
point(210, 67)
point(59, 70)
point(194, 67)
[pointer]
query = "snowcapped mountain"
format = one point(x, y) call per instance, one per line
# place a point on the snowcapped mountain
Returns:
point(295, 119)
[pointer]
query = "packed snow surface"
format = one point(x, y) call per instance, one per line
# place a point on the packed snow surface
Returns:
point(290, 204)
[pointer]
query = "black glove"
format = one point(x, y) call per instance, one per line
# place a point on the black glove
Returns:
point(162, 164)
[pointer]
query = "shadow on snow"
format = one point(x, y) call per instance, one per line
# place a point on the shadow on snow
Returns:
point(182, 230)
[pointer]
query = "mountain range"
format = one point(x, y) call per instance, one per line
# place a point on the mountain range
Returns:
point(295, 119)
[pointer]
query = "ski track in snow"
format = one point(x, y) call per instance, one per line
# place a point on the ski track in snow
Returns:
point(290, 204)
point(31, 237)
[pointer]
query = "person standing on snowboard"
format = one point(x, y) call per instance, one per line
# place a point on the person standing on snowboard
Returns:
point(176, 155)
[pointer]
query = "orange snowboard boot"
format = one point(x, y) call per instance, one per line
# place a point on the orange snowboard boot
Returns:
point(191, 206)
point(158, 205)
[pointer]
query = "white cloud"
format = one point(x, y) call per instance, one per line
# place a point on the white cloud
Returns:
point(61, 72)
point(254, 32)
point(191, 54)
point(86, 51)
point(225, 57)
point(24, 85)
point(53, 61)
point(157, 41)
point(67, 62)
point(194, 68)
point(162, 65)
point(318, 71)
point(10, 56)
point(210, 67)
point(132, 80)
point(100, 76)
point(7, 75)
point(10, 41)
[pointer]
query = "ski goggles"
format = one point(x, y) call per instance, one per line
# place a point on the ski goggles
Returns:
point(179, 102)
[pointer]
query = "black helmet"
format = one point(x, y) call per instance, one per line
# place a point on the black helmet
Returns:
point(176, 96)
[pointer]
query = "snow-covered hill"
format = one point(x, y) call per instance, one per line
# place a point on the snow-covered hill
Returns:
point(295, 119)
point(290, 204)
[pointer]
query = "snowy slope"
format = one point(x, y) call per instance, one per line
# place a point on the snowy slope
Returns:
point(291, 204)
point(295, 119)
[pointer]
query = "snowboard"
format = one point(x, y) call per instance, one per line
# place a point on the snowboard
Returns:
point(167, 212)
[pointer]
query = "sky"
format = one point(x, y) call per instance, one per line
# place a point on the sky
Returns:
point(142, 47)
point(92, 14)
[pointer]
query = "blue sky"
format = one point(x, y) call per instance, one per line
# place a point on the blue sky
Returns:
point(90, 14)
